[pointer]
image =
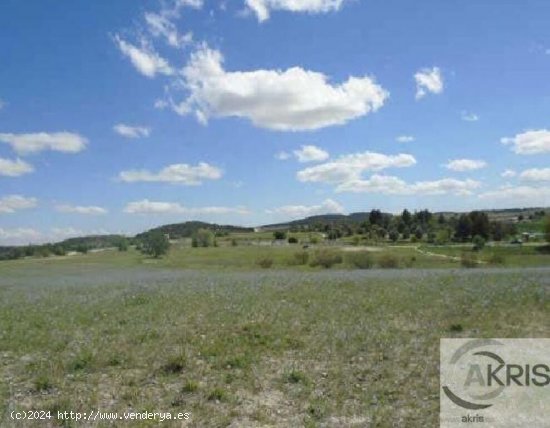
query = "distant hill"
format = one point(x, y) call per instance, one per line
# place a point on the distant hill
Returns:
point(504, 215)
point(333, 219)
point(91, 242)
point(187, 229)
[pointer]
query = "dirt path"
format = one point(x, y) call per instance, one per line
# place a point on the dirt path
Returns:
point(445, 256)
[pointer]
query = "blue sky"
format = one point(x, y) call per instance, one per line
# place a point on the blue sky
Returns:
point(119, 116)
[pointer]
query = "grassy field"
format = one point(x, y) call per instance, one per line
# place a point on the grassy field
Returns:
point(247, 347)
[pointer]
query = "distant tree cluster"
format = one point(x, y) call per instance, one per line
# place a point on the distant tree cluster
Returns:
point(419, 225)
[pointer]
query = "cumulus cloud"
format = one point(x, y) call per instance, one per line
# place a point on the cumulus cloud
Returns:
point(516, 196)
point(19, 236)
point(350, 167)
point(297, 211)
point(291, 100)
point(129, 131)
point(12, 203)
point(24, 144)
point(536, 174)
point(26, 235)
point(405, 139)
point(146, 206)
point(509, 173)
point(462, 165)
point(311, 153)
point(76, 209)
point(14, 168)
point(263, 8)
point(144, 58)
point(160, 25)
point(391, 185)
point(182, 173)
point(282, 155)
point(469, 117)
point(530, 142)
point(428, 80)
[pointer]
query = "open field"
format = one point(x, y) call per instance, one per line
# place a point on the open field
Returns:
point(247, 348)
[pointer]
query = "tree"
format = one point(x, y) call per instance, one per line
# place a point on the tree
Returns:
point(375, 217)
point(406, 217)
point(547, 228)
point(155, 244)
point(463, 229)
point(122, 244)
point(479, 243)
point(203, 238)
point(279, 234)
point(480, 224)
point(394, 235)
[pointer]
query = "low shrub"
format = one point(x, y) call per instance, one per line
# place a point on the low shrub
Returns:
point(497, 259)
point(468, 260)
point(265, 262)
point(292, 240)
point(300, 258)
point(326, 257)
point(388, 261)
point(360, 259)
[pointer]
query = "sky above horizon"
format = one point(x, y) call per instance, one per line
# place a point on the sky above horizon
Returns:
point(120, 116)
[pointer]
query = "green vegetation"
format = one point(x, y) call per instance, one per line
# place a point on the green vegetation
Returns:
point(299, 347)
point(154, 244)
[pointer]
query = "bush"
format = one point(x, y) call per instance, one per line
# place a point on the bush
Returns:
point(203, 238)
point(279, 234)
point(479, 243)
point(292, 240)
point(122, 245)
point(155, 244)
point(497, 259)
point(300, 258)
point(468, 260)
point(360, 259)
point(388, 261)
point(326, 258)
point(265, 262)
point(234, 242)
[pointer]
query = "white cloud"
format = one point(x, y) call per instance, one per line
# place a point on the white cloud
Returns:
point(25, 235)
point(160, 25)
point(428, 80)
point(469, 117)
point(19, 236)
point(129, 131)
point(518, 196)
point(311, 153)
point(262, 8)
point(462, 165)
point(509, 173)
point(88, 210)
point(197, 4)
point(176, 174)
point(2, 103)
point(14, 168)
point(282, 155)
point(298, 211)
point(65, 142)
point(530, 142)
point(536, 174)
point(144, 58)
point(12, 203)
point(150, 207)
point(391, 185)
point(290, 100)
point(405, 139)
point(350, 167)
